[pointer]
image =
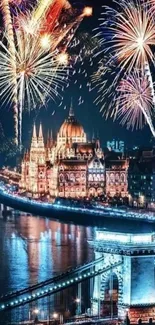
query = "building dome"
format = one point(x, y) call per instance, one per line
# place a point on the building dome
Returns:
point(71, 129)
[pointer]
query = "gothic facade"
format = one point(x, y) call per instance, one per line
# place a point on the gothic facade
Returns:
point(71, 166)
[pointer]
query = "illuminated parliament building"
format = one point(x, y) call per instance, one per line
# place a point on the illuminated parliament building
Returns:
point(71, 166)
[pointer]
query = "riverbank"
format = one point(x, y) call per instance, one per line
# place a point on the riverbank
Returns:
point(82, 216)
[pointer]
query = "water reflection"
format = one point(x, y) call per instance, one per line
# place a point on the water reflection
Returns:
point(33, 249)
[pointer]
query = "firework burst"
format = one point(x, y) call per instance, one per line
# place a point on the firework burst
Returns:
point(36, 56)
point(39, 73)
point(134, 101)
point(127, 39)
point(105, 81)
point(128, 35)
point(11, 43)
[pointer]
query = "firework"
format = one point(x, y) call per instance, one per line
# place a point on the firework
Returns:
point(105, 81)
point(49, 41)
point(16, 2)
point(128, 35)
point(150, 4)
point(11, 44)
point(36, 56)
point(51, 19)
point(39, 75)
point(134, 101)
point(127, 39)
point(41, 9)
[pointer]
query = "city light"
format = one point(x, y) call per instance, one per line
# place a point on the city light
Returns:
point(104, 211)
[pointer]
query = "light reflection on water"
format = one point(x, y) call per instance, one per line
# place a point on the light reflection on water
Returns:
point(33, 249)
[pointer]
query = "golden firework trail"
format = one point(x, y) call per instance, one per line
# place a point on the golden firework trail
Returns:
point(11, 43)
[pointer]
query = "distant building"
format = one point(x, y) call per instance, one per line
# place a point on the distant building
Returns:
point(116, 177)
point(116, 145)
point(141, 180)
point(71, 166)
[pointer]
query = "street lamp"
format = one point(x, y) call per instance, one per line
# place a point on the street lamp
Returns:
point(78, 301)
point(55, 315)
point(36, 312)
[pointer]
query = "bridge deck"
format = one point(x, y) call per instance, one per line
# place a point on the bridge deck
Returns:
point(71, 279)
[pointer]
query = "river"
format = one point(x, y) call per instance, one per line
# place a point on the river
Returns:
point(33, 249)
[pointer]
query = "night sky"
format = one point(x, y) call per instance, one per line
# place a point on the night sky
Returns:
point(87, 113)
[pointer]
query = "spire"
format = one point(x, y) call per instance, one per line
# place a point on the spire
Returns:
point(51, 135)
point(34, 131)
point(34, 143)
point(71, 112)
point(40, 138)
point(40, 131)
point(48, 139)
point(93, 136)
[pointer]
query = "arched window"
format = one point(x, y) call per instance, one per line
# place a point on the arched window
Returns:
point(117, 177)
point(112, 178)
point(122, 178)
point(98, 177)
point(72, 177)
point(67, 177)
point(61, 178)
point(90, 178)
point(95, 178)
point(102, 177)
point(111, 295)
point(83, 175)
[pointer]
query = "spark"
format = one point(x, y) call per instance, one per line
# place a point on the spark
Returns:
point(45, 41)
point(63, 58)
point(88, 11)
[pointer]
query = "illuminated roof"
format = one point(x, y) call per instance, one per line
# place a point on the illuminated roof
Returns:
point(124, 244)
point(71, 127)
point(125, 238)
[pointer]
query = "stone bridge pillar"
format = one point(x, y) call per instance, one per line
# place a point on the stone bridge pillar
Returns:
point(133, 290)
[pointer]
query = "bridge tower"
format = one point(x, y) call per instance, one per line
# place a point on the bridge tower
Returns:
point(130, 288)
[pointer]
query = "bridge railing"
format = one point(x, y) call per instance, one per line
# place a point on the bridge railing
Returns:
point(59, 286)
point(55, 279)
